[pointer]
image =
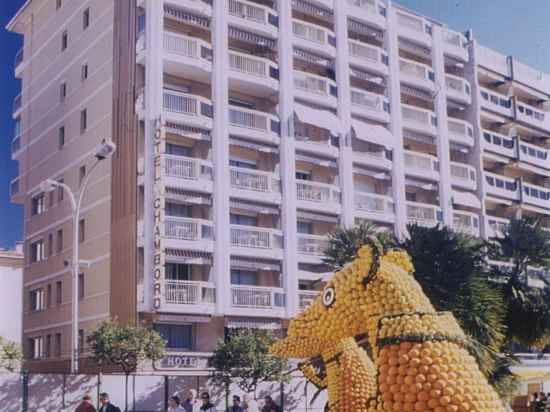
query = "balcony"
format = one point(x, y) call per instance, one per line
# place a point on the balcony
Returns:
point(455, 45)
point(373, 159)
point(500, 186)
point(315, 89)
point(463, 176)
point(367, 56)
point(188, 233)
point(253, 16)
point(188, 296)
point(496, 226)
point(419, 120)
point(369, 105)
point(317, 147)
point(306, 298)
point(417, 74)
point(251, 74)
point(461, 132)
point(256, 241)
point(254, 297)
point(423, 214)
point(314, 38)
point(17, 105)
point(466, 222)
point(15, 188)
point(15, 147)
point(414, 28)
point(458, 89)
point(369, 11)
point(200, 7)
point(188, 173)
point(187, 56)
point(311, 248)
point(18, 64)
point(499, 144)
point(421, 165)
point(496, 102)
point(253, 124)
point(535, 195)
point(255, 185)
point(318, 196)
point(188, 109)
point(374, 207)
point(535, 155)
point(532, 116)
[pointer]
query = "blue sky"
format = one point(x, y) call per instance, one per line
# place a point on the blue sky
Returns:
point(513, 27)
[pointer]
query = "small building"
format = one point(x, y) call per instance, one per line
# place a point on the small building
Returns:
point(11, 307)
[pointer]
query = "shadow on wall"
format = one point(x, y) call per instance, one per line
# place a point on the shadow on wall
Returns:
point(11, 392)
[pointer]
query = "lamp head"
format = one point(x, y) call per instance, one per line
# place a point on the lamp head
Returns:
point(105, 149)
point(48, 185)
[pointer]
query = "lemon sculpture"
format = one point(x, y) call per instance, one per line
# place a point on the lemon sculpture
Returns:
point(420, 360)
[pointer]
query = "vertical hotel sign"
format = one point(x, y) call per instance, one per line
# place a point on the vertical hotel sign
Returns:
point(158, 215)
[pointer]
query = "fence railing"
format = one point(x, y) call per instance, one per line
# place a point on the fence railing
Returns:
point(181, 292)
point(183, 228)
point(317, 192)
point(306, 298)
point(374, 203)
point(246, 10)
point(17, 103)
point(254, 180)
point(257, 297)
point(244, 63)
point(251, 119)
point(463, 172)
point(312, 83)
point(368, 100)
point(364, 51)
point(255, 237)
point(421, 161)
point(310, 32)
point(187, 168)
point(312, 244)
point(423, 214)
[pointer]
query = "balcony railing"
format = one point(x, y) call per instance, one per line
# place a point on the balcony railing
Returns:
point(312, 244)
point(186, 46)
point(255, 237)
point(254, 180)
point(366, 52)
point(463, 172)
point(313, 33)
point(187, 168)
point(419, 117)
point(15, 187)
point(502, 186)
point(421, 161)
point(256, 297)
point(317, 192)
point(187, 104)
point(466, 222)
point(306, 298)
point(181, 292)
point(253, 120)
point(461, 130)
point(17, 103)
point(499, 143)
point(183, 228)
point(251, 65)
point(497, 225)
point(252, 12)
point(412, 23)
point(374, 203)
point(416, 70)
point(423, 214)
point(312, 83)
point(534, 154)
point(496, 101)
point(458, 87)
point(532, 114)
point(15, 144)
point(19, 58)
point(536, 195)
point(367, 100)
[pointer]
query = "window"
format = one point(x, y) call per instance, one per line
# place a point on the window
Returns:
point(59, 241)
point(81, 175)
point(178, 210)
point(37, 251)
point(57, 4)
point(243, 220)
point(178, 150)
point(36, 300)
point(48, 351)
point(86, 19)
point(83, 121)
point(84, 72)
point(81, 231)
point(49, 296)
point(81, 341)
point(62, 91)
point(61, 137)
point(243, 277)
point(303, 176)
point(36, 348)
point(81, 286)
point(50, 244)
point(305, 228)
point(243, 163)
point(178, 271)
point(64, 40)
point(60, 192)
point(57, 345)
point(58, 292)
point(176, 336)
point(38, 205)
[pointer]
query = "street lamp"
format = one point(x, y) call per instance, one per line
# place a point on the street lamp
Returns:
point(104, 150)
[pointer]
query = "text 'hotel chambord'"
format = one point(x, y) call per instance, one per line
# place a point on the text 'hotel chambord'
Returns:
point(247, 130)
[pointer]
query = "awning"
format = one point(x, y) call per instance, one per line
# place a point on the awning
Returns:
point(242, 323)
point(182, 319)
point(416, 93)
point(188, 257)
point(254, 207)
point(316, 161)
point(466, 199)
point(372, 133)
point(254, 146)
point(420, 184)
point(187, 131)
point(418, 137)
point(255, 264)
point(371, 173)
point(318, 217)
point(185, 17)
point(318, 117)
point(184, 196)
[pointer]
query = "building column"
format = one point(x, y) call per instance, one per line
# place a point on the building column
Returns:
point(443, 145)
point(153, 109)
point(288, 156)
point(345, 163)
point(396, 125)
point(220, 150)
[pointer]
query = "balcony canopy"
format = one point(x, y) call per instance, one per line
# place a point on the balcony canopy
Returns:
point(466, 199)
point(244, 323)
point(318, 117)
point(372, 133)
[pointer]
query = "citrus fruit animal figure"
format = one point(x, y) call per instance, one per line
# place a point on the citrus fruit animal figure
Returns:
point(420, 360)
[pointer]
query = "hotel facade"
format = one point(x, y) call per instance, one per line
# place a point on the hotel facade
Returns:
point(247, 131)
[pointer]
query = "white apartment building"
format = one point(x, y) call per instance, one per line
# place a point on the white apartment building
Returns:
point(248, 130)
point(11, 273)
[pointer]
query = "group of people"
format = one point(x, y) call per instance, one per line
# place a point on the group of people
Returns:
point(538, 402)
point(87, 404)
point(246, 404)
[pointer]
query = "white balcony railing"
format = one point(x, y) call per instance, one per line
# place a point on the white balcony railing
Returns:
point(312, 83)
point(247, 10)
point(312, 33)
point(531, 114)
point(536, 195)
point(248, 64)
point(186, 104)
point(417, 117)
point(374, 203)
point(536, 155)
point(256, 297)
point(19, 57)
point(466, 222)
point(415, 70)
point(317, 192)
point(502, 186)
point(463, 172)
point(252, 119)
point(183, 228)
point(15, 144)
point(500, 144)
point(369, 5)
point(17, 103)
point(306, 298)
point(366, 52)
point(423, 214)
point(312, 244)
point(367, 100)
point(15, 187)
point(255, 237)
point(254, 180)
point(461, 130)
point(413, 23)
point(497, 225)
point(187, 168)
point(496, 101)
point(181, 292)
point(421, 161)
point(458, 87)
point(186, 46)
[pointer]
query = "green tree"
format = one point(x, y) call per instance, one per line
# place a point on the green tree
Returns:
point(243, 358)
point(524, 245)
point(125, 347)
point(10, 355)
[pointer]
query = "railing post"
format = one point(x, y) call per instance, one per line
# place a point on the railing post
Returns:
point(25, 391)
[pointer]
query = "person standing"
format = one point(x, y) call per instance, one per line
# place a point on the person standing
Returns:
point(106, 405)
point(236, 407)
point(207, 406)
point(270, 405)
point(174, 404)
point(191, 404)
point(249, 404)
point(86, 405)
